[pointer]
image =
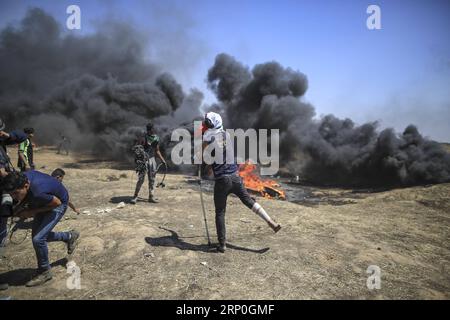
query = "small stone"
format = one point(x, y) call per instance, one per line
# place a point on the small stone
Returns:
point(121, 205)
point(204, 263)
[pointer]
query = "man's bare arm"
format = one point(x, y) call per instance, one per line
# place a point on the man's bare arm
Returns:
point(73, 207)
point(4, 134)
point(3, 172)
point(158, 153)
point(28, 213)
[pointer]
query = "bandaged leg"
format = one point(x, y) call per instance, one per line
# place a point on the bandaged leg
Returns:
point(263, 214)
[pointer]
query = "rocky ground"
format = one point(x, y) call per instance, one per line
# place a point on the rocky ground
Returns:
point(159, 251)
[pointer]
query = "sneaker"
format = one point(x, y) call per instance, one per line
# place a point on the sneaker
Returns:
point(134, 200)
point(153, 199)
point(40, 279)
point(221, 248)
point(72, 243)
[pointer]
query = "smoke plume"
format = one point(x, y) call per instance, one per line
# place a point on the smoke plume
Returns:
point(326, 150)
point(98, 89)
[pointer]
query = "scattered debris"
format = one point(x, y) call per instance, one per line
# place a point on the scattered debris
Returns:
point(149, 254)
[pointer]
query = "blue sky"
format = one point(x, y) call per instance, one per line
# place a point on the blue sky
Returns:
point(397, 75)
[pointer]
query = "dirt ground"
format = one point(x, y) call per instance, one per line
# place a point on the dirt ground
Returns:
point(159, 251)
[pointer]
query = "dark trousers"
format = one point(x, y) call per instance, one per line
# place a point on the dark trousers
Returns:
point(222, 188)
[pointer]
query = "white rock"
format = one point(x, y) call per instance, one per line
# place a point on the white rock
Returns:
point(121, 205)
point(86, 212)
point(204, 263)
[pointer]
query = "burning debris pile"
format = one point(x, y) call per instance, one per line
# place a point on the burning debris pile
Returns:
point(265, 187)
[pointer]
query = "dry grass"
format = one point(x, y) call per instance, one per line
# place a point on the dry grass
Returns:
point(150, 251)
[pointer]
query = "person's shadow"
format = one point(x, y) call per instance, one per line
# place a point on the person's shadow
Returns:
point(116, 200)
point(174, 241)
point(20, 277)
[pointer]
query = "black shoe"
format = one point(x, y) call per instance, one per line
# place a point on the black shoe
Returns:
point(153, 200)
point(275, 227)
point(40, 279)
point(73, 241)
point(221, 248)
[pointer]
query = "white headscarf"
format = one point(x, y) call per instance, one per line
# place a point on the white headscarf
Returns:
point(215, 118)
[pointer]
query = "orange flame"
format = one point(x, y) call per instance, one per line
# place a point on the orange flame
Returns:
point(267, 188)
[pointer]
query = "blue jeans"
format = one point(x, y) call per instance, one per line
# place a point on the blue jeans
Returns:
point(42, 233)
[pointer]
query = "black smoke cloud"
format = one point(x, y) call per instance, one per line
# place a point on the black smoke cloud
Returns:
point(326, 150)
point(98, 89)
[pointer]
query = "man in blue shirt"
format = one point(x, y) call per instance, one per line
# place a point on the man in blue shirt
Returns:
point(227, 179)
point(45, 199)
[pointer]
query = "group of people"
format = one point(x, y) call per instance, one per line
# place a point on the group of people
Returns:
point(45, 199)
point(32, 194)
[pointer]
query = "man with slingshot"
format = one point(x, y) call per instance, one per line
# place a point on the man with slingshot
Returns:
point(145, 152)
point(227, 179)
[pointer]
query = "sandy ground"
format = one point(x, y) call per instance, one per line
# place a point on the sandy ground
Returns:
point(159, 251)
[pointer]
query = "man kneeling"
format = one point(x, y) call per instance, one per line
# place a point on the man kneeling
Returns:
point(45, 199)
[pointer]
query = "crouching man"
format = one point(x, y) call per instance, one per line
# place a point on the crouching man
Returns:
point(45, 200)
